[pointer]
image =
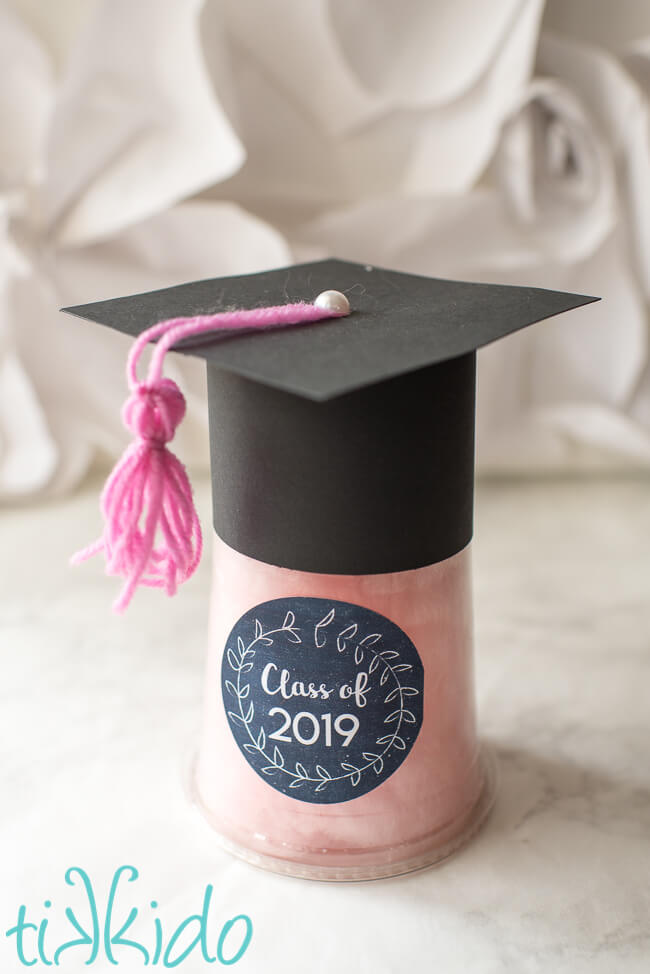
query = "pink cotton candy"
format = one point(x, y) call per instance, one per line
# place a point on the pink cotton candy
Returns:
point(152, 534)
point(432, 804)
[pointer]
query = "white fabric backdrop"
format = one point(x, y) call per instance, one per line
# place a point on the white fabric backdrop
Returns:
point(154, 142)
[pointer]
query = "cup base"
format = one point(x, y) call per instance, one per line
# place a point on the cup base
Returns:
point(362, 866)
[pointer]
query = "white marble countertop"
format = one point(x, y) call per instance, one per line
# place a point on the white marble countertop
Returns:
point(98, 714)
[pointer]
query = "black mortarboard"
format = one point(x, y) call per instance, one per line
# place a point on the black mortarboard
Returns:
point(345, 446)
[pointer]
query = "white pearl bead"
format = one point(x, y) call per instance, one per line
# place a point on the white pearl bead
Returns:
point(333, 301)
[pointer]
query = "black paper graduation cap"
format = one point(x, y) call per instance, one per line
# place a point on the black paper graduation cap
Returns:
point(345, 446)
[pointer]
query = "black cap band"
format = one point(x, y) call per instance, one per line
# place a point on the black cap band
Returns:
point(377, 480)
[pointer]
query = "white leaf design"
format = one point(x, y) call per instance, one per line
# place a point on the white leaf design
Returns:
point(384, 676)
point(402, 667)
point(323, 772)
point(249, 713)
point(289, 620)
point(297, 782)
point(247, 667)
point(237, 719)
point(241, 647)
point(230, 687)
point(358, 655)
point(408, 717)
point(269, 769)
point(319, 640)
point(410, 691)
point(258, 629)
point(378, 766)
point(374, 664)
point(399, 744)
point(245, 690)
point(233, 659)
point(370, 640)
point(261, 739)
point(391, 696)
point(389, 654)
point(350, 632)
point(300, 771)
point(277, 757)
point(345, 635)
point(392, 717)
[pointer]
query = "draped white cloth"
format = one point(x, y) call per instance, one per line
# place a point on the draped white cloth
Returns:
point(155, 142)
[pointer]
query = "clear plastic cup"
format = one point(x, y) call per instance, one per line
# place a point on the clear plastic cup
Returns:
point(431, 794)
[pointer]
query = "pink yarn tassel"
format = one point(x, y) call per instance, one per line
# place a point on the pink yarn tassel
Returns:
point(152, 535)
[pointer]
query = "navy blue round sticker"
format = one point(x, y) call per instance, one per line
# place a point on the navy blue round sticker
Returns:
point(324, 698)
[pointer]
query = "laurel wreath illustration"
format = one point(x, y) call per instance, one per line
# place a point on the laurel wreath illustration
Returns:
point(240, 660)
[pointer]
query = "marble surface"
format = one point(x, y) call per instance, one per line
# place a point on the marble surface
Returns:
point(98, 715)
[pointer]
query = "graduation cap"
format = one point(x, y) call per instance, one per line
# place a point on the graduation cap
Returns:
point(345, 445)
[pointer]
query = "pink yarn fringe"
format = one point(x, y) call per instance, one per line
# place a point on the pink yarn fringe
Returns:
point(152, 535)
